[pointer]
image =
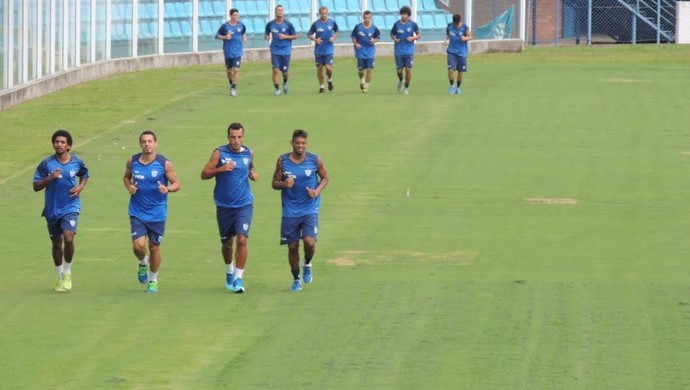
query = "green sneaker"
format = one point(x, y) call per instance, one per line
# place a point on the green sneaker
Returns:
point(67, 281)
point(58, 285)
point(143, 274)
point(153, 287)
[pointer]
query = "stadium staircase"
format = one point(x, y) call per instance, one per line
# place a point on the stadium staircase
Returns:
point(644, 21)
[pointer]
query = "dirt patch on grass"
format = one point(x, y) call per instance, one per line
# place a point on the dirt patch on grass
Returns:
point(352, 258)
point(562, 201)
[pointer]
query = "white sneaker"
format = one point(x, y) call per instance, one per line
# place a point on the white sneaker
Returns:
point(400, 86)
point(277, 93)
point(233, 92)
point(406, 91)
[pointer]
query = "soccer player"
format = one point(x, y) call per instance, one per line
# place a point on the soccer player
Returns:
point(233, 166)
point(281, 33)
point(58, 174)
point(149, 178)
point(457, 36)
point(233, 34)
point(300, 176)
point(404, 33)
point(323, 33)
point(365, 35)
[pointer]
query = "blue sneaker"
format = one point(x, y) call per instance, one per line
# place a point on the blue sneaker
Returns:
point(152, 287)
point(229, 281)
point(143, 274)
point(238, 286)
point(307, 275)
point(452, 90)
point(458, 91)
point(286, 88)
point(296, 286)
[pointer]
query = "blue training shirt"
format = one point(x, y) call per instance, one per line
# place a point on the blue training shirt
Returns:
point(455, 43)
point(401, 31)
point(233, 47)
point(324, 30)
point(57, 199)
point(148, 203)
point(363, 36)
point(279, 46)
point(232, 187)
point(296, 200)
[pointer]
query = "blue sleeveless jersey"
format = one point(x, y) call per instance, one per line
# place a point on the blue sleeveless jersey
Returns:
point(57, 200)
point(232, 188)
point(148, 203)
point(296, 200)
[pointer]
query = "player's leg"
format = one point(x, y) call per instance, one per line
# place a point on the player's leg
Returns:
point(228, 71)
point(319, 75)
point(293, 260)
point(451, 72)
point(329, 72)
point(68, 224)
point(155, 232)
point(462, 68)
point(399, 66)
point(290, 236)
point(285, 67)
point(234, 75)
point(55, 234)
point(225, 219)
point(242, 223)
point(139, 248)
point(309, 229)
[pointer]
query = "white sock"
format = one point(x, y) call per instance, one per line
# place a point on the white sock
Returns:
point(66, 267)
point(362, 80)
point(144, 261)
point(307, 265)
point(58, 269)
point(229, 268)
point(322, 87)
point(330, 80)
point(238, 273)
point(153, 276)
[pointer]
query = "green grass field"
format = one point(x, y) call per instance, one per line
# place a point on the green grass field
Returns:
point(543, 244)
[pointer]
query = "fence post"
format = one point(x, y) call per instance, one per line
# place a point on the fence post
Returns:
point(589, 22)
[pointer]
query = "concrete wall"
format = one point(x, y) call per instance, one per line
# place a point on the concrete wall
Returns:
point(98, 70)
point(683, 22)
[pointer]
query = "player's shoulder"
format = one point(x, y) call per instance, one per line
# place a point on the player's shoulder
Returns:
point(312, 156)
point(161, 159)
point(76, 159)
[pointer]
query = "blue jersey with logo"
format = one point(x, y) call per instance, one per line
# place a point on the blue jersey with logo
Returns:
point(401, 31)
point(57, 193)
point(282, 47)
point(148, 203)
point(232, 187)
point(363, 36)
point(233, 47)
point(455, 43)
point(296, 200)
point(325, 31)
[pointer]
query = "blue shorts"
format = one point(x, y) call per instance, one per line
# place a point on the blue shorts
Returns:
point(456, 62)
point(234, 221)
point(153, 230)
point(292, 229)
point(365, 63)
point(280, 62)
point(66, 222)
point(233, 62)
point(324, 59)
point(405, 61)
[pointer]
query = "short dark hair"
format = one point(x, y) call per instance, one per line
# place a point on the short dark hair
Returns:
point(148, 132)
point(367, 12)
point(233, 11)
point(235, 126)
point(405, 10)
point(457, 18)
point(299, 133)
point(62, 133)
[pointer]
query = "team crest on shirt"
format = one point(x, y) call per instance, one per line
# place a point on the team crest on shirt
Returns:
point(154, 173)
point(245, 226)
point(307, 172)
point(72, 173)
point(245, 160)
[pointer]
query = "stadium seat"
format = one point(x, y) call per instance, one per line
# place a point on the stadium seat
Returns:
point(354, 6)
point(390, 21)
point(219, 8)
point(352, 21)
point(442, 20)
point(341, 20)
point(394, 6)
point(340, 6)
point(426, 21)
point(175, 30)
point(144, 32)
point(304, 6)
point(326, 3)
point(153, 28)
point(205, 9)
point(305, 22)
point(260, 25)
point(169, 11)
point(427, 5)
point(181, 11)
point(380, 22)
point(291, 7)
point(378, 5)
point(262, 7)
point(186, 27)
point(250, 6)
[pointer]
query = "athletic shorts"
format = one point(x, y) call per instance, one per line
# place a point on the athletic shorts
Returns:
point(66, 222)
point(405, 61)
point(234, 221)
point(280, 62)
point(324, 60)
point(456, 62)
point(233, 62)
point(292, 229)
point(365, 63)
point(153, 230)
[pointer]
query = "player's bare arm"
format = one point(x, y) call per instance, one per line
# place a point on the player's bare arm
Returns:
point(278, 183)
point(253, 174)
point(127, 178)
point(173, 180)
point(212, 168)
